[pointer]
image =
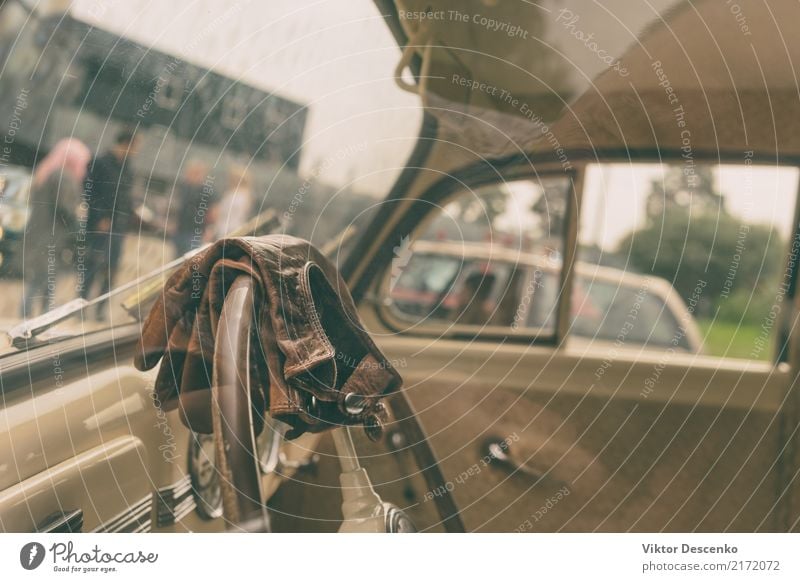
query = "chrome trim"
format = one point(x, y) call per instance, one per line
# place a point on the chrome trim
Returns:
point(69, 521)
point(174, 502)
point(396, 520)
point(135, 519)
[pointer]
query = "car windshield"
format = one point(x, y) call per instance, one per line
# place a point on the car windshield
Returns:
point(138, 134)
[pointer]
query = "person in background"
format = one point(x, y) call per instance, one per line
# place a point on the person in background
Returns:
point(473, 305)
point(54, 202)
point(193, 198)
point(236, 205)
point(108, 194)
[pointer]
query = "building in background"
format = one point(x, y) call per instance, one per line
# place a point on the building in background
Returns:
point(67, 78)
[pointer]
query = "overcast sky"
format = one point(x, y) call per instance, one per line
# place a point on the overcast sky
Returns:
point(615, 194)
point(337, 57)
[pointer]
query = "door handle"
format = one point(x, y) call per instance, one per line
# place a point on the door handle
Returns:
point(70, 521)
point(497, 453)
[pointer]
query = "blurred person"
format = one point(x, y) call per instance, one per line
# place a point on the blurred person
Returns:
point(107, 191)
point(473, 306)
point(54, 202)
point(194, 197)
point(236, 205)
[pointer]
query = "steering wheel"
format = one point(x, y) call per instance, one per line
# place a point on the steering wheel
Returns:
point(232, 415)
point(235, 439)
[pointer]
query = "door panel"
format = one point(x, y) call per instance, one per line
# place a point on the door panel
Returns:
point(696, 453)
point(88, 434)
point(94, 443)
point(76, 484)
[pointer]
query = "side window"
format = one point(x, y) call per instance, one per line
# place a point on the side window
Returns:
point(685, 258)
point(490, 259)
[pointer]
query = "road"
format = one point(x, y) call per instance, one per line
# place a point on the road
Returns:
point(140, 256)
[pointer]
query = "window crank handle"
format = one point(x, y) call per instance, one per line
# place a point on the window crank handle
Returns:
point(498, 456)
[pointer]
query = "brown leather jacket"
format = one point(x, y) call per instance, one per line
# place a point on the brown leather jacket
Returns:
point(311, 351)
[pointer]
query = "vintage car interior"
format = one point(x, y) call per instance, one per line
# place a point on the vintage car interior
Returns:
point(572, 229)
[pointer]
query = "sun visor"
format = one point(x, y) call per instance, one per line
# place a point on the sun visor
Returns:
point(486, 72)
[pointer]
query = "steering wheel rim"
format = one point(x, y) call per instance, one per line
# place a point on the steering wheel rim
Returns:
point(232, 413)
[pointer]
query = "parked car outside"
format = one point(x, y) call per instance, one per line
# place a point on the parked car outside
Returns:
point(430, 284)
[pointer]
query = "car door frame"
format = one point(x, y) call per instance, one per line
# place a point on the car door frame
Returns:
point(372, 254)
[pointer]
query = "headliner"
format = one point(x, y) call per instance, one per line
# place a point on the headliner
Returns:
point(695, 78)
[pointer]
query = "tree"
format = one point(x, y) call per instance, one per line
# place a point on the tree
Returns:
point(470, 216)
point(482, 206)
point(683, 188)
point(732, 257)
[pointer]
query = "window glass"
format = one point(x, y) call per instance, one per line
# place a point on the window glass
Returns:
point(134, 132)
point(490, 258)
point(686, 257)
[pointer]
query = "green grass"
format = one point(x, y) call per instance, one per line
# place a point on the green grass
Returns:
point(732, 340)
